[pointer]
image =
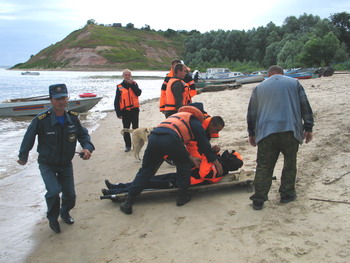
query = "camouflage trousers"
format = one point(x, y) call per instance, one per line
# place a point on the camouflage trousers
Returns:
point(269, 149)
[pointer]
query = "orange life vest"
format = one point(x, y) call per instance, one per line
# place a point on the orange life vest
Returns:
point(192, 87)
point(208, 171)
point(192, 147)
point(180, 122)
point(193, 93)
point(170, 104)
point(128, 100)
point(192, 90)
point(162, 98)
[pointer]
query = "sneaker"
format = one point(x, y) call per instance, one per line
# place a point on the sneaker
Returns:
point(287, 199)
point(258, 205)
point(127, 149)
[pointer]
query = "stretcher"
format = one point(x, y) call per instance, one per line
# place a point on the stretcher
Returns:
point(244, 178)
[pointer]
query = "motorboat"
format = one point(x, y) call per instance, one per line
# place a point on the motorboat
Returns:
point(252, 78)
point(34, 105)
point(32, 73)
point(219, 75)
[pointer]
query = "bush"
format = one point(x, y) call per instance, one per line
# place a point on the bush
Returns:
point(342, 66)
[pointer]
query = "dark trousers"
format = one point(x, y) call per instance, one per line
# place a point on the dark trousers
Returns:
point(169, 113)
point(269, 149)
point(162, 181)
point(130, 117)
point(158, 146)
point(58, 179)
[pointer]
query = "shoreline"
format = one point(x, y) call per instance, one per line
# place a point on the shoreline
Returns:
point(216, 225)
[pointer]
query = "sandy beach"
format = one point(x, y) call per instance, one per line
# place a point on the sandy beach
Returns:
point(217, 225)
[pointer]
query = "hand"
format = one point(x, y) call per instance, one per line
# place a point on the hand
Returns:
point(196, 161)
point(252, 141)
point(308, 136)
point(130, 81)
point(21, 162)
point(218, 167)
point(87, 154)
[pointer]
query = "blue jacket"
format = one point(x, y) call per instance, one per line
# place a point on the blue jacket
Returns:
point(56, 142)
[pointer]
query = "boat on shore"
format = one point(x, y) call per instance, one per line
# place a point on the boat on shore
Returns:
point(31, 73)
point(34, 105)
point(219, 75)
point(253, 78)
point(299, 73)
point(220, 87)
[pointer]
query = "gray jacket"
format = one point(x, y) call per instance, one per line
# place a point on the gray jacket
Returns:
point(279, 104)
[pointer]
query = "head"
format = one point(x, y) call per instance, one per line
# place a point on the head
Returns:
point(127, 74)
point(275, 70)
point(58, 97)
point(231, 161)
point(216, 125)
point(174, 62)
point(180, 71)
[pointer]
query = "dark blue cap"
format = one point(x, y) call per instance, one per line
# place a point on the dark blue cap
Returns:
point(58, 91)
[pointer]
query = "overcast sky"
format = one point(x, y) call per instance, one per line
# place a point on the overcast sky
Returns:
point(26, 27)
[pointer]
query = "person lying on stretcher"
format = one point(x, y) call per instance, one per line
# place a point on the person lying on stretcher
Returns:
point(204, 174)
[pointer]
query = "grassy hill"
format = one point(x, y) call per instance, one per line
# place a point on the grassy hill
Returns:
point(97, 47)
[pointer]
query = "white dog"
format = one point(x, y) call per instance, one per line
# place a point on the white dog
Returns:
point(138, 137)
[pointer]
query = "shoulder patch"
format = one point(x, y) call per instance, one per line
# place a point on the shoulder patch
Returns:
point(73, 113)
point(44, 115)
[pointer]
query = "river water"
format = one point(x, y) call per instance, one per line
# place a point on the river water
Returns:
point(22, 201)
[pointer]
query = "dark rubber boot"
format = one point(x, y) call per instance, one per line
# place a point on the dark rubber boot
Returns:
point(258, 205)
point(126, 206)
point(183, 197)
point(110, 185)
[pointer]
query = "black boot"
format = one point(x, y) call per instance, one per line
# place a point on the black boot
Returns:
point(110, 185)
point(106, 192)
point(126, 206)
point(183, 197)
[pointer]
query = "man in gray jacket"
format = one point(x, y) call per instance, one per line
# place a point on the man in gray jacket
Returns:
point(279, 119)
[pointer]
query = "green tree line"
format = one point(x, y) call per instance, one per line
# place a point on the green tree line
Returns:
point(307, 41)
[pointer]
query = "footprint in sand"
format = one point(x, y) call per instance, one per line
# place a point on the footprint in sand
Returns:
point(179, 220)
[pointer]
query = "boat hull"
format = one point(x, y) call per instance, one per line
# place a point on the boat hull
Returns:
point(30, 73)
point(250, 79)
point(32, 108)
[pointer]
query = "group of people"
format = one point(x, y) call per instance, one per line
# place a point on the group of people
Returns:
point(177, 90)
point(279, 118)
